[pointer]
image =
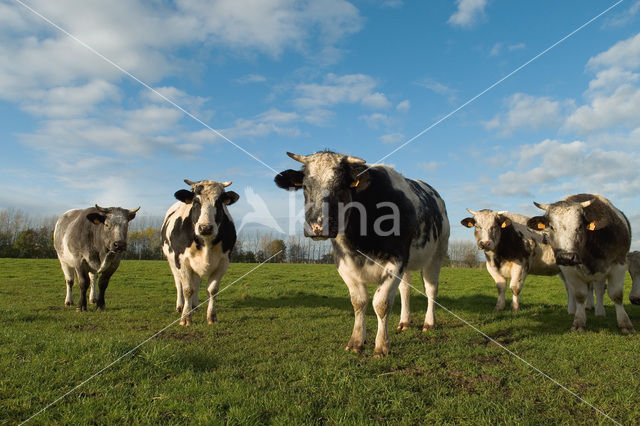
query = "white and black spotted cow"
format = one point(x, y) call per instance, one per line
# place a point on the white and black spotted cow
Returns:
point(633, 259)
point(590, 240)
point(513, 251)
point(197, 237)
point(90, 243)
point(374, 216)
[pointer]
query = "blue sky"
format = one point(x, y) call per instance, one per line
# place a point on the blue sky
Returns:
point(357, 77)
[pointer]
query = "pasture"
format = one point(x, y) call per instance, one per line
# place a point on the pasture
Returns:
point(277, 353)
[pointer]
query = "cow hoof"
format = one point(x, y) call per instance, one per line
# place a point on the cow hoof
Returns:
point(211, 321)
point(80, 309)
point(601, 313)
point(179, 308)
point(101, 307)
point(428, 327)
point(577, 328)
point(403, 326)
point(354, 349)
point(635, 300)
point(185, 321)
point(94, 301)
point(380, 353)
point(68, 303)
point(627, 330)
point(498, 308)
point(515, 308)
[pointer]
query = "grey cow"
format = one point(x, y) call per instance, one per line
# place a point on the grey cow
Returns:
point(91, 242)
point(590, 240)
point(633, 259)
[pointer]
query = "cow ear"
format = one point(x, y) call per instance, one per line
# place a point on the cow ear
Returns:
point(289, 179)
point(538, 223)
point(469, 222)
point(96, 218)
point(597, 224)
point(359, 174)
point(184, 196)
point(229, 197)
point(504, 221)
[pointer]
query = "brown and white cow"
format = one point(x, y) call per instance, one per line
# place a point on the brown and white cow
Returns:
point(633, 259)
point(197, 237)
point(381, 224)
point(513, 251)
point(590, 239)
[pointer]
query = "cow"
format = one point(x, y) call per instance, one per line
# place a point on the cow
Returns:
point(90, 244)
point(633, 259)
point(590, 238)
point(348, 201)
point(197, 237)
point(513, 251)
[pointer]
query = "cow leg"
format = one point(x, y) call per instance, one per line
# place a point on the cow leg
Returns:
point(589, 302)
point(212, 288)
point(634, 295)
point(580, 290)
point(359, 301)
point(93, 297)
point(599, 287)
point(103, 283)
point(190, 286)
point(177, 277)
point(571, 298)
point(430, 276)
point(614, 288)
point(83, 284)
point(405, 299)
point(517, 280)
point(501, 285)
point(382, 304)
point(69, 274)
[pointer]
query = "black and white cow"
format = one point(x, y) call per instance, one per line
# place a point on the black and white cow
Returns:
point(90, 242)
point(197, 237)
point(590, 240)
point(513, 251)
point(374, 216)
point(633, 259)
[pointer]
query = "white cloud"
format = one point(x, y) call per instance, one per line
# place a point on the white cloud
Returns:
point(528, 112)
point(350, 88)
point(69, 101)
point(376, 120)
point(608, 111)
point(439, 88)
point(623, 54)
point(392, 138)
point(404, 106)
point(430, 166)
point(392, 4)
point(468, 13)
point(623, 18)
point(500, 46)
point(271, 121)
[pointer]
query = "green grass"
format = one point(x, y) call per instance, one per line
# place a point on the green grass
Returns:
point(277, 353)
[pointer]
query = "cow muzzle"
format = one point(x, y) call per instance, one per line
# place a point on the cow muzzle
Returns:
point(318, 232)
point(119, 246)
point(566, 258)
point(485, 245)
point(205, 230)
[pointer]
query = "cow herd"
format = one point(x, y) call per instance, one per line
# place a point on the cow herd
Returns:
point(382, 226)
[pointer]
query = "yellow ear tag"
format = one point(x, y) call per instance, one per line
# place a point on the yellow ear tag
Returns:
point(355, 184)
point(504, 225)
point(96, 221)
point(592, 226)
point(541, 225)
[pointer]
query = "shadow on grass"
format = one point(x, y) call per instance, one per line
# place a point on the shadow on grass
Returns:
point(300, 299)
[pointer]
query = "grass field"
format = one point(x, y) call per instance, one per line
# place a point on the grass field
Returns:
point(277, 353)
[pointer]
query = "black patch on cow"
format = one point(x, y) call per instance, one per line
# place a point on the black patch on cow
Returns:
point(428, 212)
point(183, 233)
point(184, 196)
point(382, 248)
point(511, 246)
point(226, 228)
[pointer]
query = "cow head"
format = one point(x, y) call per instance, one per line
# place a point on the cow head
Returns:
point(114, 223)
point(488, 227)
point(207, 199)
point(329, 181)
point(568, 223)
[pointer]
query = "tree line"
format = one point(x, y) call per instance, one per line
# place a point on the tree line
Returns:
point(25, 236)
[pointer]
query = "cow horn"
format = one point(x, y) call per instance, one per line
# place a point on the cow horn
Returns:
point(354, 160)
point(503, 212)
point(134, 210)
point(300, 158)
point(472, 212)
point(190, 183)
point(586, 204)
point(544, 207)
point(227, 183)
point(101, 209)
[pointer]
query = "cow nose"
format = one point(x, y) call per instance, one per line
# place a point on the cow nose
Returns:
point(317, 229)
point(483, 245)
point(566, 258)
point(120, 245)
point(205, 229)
